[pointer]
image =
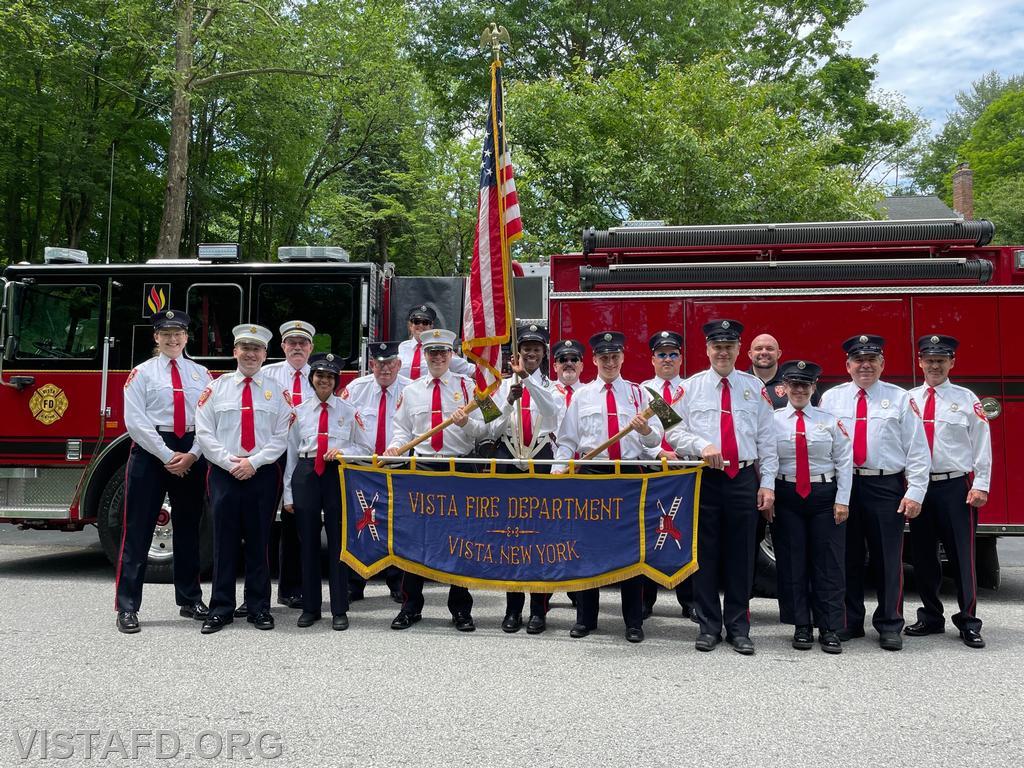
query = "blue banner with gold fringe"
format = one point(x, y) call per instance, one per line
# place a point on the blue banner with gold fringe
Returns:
point(532, 532)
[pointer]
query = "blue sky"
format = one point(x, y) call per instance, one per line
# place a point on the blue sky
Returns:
point(929, 50)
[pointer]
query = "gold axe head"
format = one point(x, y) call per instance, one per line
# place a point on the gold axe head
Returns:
point(668, 417)
point(488, 409)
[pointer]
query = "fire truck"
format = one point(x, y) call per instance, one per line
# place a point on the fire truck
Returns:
point(72, 331)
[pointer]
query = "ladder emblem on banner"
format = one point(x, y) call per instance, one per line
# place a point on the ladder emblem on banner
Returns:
point(369, 519)
point(667, 525)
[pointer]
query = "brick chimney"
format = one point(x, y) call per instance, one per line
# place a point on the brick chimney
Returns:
point(963, 191)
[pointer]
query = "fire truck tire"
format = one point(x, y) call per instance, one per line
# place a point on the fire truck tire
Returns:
point(765, 583)
point(159, 569)
point(986, 562)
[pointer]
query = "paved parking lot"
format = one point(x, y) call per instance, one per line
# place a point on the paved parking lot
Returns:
point(432, 696)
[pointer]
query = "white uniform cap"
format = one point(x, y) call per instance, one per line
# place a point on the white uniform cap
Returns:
point(254, 334)
point(438, 337)
point(297, 328)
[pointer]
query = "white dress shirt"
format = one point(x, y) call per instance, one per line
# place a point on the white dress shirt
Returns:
point(543, 415)
point(585, 425)
point(752, 418)
point(344, 431)
point(829, 446)
point(896, 440)
point(413, 416)
point(149, 402)
point(560, 392)
point(963, 441)
point(284, 375)
point(407, 350)
point(219, 421)
point(364, 393)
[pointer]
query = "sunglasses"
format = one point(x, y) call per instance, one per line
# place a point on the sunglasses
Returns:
point(572, 360)
point(667, 355)
point(421, 321)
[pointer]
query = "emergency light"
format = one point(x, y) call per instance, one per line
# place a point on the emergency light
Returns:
point(64, 256)
point(292, 253)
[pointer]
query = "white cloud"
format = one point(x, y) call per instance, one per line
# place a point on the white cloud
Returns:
point(929, 50)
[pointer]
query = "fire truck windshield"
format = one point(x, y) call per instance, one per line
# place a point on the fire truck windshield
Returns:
point(56, 321)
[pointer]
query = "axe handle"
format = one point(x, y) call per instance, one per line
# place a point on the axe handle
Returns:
point(469, 408)
point(646, 413)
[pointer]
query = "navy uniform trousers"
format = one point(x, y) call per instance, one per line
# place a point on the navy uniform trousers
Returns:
point(514, 601)
point(726, 530)
point(810, 556)
point(311, 494)
point(289, 554)
point(460, 601)
point(874, 524)
point(946, 517)
point(631, 591)
point(242, 509)
point(146, 484)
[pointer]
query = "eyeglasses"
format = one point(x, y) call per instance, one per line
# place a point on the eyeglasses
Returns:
point(667, 355)
point(572, 360)
point(437, 352)
point(421, 321)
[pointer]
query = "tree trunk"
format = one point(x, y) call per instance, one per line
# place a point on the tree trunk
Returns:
point(169, 240)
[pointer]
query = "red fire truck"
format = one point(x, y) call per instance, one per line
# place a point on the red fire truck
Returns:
point(71, 332)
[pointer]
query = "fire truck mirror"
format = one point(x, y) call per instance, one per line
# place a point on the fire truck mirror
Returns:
point(991, 407)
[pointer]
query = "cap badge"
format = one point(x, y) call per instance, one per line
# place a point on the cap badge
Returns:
point(252, 329)
point(863, 339)
point(664, 334)
point(607, 337)
point(935, 339)
point(423, 307)
point(169, 315)
point(329, 358)
point(533, 328)
point(801, 365)
point(298, 324)
point(382, 347)
point(725, 323)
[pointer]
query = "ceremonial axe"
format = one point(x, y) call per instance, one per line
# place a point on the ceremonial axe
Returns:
point(658, 407)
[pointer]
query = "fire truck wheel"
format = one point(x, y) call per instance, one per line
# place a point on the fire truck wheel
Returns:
point(986, 562)
point(765, 583)
point(109, 518)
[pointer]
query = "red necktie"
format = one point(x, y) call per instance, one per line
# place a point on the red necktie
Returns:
point(568, 395)
point(730, 450)
point(179, 400)
point(803, 464)
point(248, 418)
point(321, 441)
point(382, 429)
point(297, 389)
point(527, 418)
point(437, 441)
point(414, 370)
point(929, 419)
point(666, 393)
point(614, 451)
point(860, 430)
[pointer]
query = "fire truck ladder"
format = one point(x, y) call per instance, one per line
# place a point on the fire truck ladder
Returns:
point(672, 514)
point(362, 503)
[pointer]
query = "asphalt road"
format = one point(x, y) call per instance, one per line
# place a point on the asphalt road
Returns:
point(433, 697)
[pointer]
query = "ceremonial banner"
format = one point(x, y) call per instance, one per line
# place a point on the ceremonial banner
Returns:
point(531, 532)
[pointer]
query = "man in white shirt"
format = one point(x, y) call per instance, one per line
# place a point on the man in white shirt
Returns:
point(958, 436)
point(414, 363)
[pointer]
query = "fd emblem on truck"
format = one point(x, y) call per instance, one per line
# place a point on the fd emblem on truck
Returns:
point(48, 404)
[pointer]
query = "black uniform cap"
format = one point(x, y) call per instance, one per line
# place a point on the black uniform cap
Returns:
point(324, 361)
point(865, 344)
point(936, 344)
point(384, 350)
point(800, 370)
point(424, 312)
point(665, 339)
point(567, 347)
point(722, 330)
point(170, 318)
point(607, 341)
point(532, 332)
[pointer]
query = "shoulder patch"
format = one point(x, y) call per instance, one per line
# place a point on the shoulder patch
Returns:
point(780, 390)
point(767, 398)
point(291, 419)
point(359, 421)
point(839, 424)
point(131, 377)
point(344, 393)
point(398, 403)
point(680, 391)
point(287, 397)
point(205, 396)
point(914, 408)
point(980, 411)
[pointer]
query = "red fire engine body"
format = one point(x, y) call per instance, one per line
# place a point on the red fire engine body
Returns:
point(71, 333)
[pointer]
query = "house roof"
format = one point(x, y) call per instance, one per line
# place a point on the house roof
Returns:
point(905, 207)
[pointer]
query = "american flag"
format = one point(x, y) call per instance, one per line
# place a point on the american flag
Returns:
point(487, 317)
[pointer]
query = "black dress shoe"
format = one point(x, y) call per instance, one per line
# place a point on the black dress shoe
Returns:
point(263, 620)
point(830, 642)
point(197, 611)
point(706, 642)
point(536, 625)
point(920, 629)
point(579, 630)
point(242, 611)
point(308, 619)
point(215, 624)
point(512, 623)
point(845, 635)
point(803, 638)
point(294, 601)
point(396, 596)
point(890, 641)
point(339, 623)
point(128, 622)
point(742, 645)
point(972, 638)
point(464, 622)
point(405, 620)
point(635, 634)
